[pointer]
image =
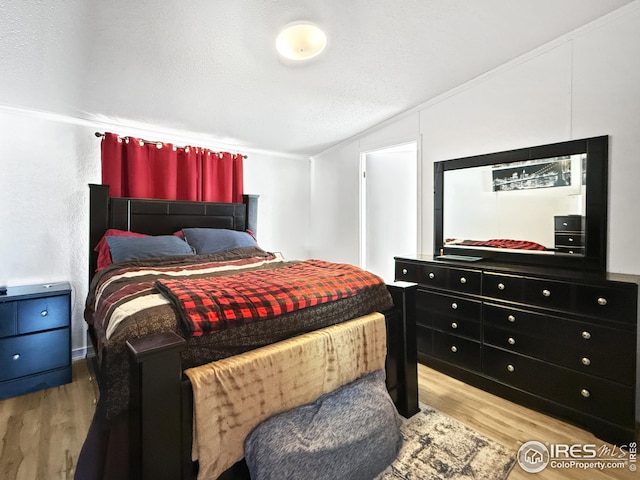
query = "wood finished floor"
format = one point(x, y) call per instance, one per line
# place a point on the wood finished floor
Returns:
point(43, 432)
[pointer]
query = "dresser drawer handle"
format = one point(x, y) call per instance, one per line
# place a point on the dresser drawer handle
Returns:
point(511, 368)
point(16, 356)
point(586, 335)
point(570, 239)
point(546, 293)
point(602, 301)
point(565, 224)
point(501, 286)
point(454, 305)
point(585, 393)
point(404, 271)
point(511, 341)
point(454, 325)
point(432, 275)
point(44, 313)
point(454, 349)
point(463, 280)
point(511, 318)
point(585, 361)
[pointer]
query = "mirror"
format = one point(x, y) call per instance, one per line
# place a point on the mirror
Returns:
point(542, 205)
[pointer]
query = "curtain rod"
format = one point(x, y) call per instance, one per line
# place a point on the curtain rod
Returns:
point(100, 134)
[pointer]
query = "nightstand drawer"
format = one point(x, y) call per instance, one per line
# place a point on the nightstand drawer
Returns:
point(7, 319)
point(43, 314)
point(34, 353)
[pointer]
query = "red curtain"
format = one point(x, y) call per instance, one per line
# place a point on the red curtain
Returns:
point(137, 168)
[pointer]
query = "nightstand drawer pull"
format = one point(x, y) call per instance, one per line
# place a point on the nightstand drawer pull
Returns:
point(432, 275)
point(501, 286)
point(511, 368)
point(404, 271)
point(454, 325)
point(585, 361)
point(546, 293)
point(44, 313)
point(586, 335)
point(602, 301)
point(463, 280)
point(511, 341)
point(16, 356)
point(454, 305)
point(511, 318)
point(454, 349)
point(585, 393)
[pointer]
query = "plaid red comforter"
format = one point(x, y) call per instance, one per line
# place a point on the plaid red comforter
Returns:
point(213, 304)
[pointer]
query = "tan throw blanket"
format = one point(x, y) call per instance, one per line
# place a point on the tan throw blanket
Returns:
point(232, 396)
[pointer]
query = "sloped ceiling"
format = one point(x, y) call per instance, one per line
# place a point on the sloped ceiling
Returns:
point(210, 68)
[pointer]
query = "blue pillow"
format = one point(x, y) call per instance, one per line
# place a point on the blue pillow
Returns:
point(134, 248)
point(216, 240)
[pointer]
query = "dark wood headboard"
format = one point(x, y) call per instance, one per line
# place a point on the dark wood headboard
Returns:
point(162, 217)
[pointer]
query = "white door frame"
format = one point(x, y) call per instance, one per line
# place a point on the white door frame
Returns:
point(363, 195)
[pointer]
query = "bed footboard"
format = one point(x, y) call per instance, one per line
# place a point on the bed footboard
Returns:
point(160, 423)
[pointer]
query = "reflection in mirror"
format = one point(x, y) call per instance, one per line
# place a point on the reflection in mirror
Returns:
point(536, 205)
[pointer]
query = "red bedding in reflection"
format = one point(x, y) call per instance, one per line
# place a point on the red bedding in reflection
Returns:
point(497, 243)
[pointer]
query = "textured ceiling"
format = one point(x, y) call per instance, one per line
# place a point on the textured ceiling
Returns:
point(209, 67)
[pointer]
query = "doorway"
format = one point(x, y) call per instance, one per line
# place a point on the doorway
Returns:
point(389, 215)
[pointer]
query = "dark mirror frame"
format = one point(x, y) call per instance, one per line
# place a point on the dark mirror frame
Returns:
point(595, 256)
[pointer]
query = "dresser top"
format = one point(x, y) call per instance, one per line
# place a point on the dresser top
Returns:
point(40, 290)
point(512, 268)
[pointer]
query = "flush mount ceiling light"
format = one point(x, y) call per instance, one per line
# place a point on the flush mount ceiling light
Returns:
point(301, 41)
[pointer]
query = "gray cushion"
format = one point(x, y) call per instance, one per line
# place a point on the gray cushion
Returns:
point(350, 433)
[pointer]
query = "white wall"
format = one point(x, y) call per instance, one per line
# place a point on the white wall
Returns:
point(582, 85)
point(46, 163)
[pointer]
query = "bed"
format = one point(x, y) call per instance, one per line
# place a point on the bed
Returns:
point(135, 436)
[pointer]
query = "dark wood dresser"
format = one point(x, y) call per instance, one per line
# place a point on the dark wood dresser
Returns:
point(561, 342)
point(35, 338)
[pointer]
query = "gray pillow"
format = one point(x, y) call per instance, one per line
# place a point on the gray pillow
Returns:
point(216, 240)
point(350, 433)
point(137, 248)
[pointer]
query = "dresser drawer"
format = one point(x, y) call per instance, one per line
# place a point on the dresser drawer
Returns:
point(503, 287)
point(449, 307)
point(409, 272)
point(34, 353)
point(514, 341)
point(8, 319)
point(616, 304)
point(464, 281)
point(592, 349)
point(43, 313)
point(547, 293)
point(458, 326)
point(434, 276)
point(594, 396)
point(514, 320)
point(457, 350)
point(517, 370)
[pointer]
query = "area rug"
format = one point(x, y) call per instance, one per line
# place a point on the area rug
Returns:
point(437, 447)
